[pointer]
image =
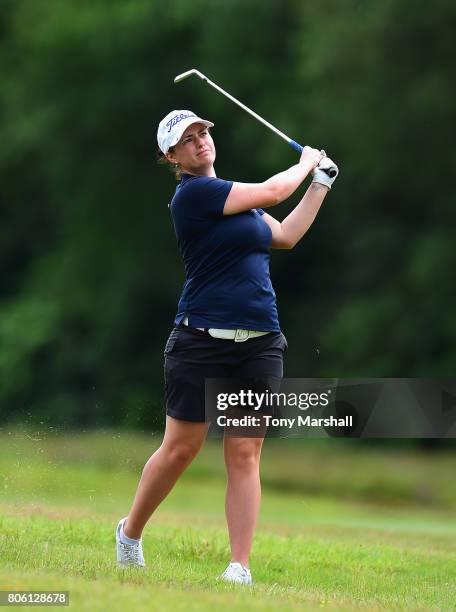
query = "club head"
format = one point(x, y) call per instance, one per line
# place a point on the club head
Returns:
point(185, 75)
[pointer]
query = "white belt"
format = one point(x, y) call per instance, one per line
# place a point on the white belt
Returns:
point(238, 335)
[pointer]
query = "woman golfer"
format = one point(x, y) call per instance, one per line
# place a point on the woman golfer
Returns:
point(226, 324)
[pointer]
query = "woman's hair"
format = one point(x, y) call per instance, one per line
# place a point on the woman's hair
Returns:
point(175, 168)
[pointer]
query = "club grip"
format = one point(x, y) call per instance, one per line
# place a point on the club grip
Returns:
point(331, 172)
point(296, 146)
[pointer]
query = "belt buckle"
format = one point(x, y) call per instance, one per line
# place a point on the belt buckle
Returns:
point(241, 335)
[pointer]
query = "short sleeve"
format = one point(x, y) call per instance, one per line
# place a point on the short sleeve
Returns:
point(207, 195)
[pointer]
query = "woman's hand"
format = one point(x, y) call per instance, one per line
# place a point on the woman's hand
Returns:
point(311, 157)
point(320, 173)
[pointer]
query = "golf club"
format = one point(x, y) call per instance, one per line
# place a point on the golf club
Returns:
point(296, 146)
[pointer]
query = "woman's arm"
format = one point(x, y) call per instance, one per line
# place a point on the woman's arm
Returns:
point(285, 235)
point(245, 196)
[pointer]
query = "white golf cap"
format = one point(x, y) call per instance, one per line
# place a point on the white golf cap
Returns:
point(172, 127)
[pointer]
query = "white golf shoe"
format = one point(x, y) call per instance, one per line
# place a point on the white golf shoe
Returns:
point(238, 573)
point(128, 554)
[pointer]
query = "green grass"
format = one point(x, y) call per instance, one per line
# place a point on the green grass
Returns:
point(61, 497)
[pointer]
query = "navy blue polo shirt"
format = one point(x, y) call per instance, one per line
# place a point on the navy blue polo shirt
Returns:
point(226, 259)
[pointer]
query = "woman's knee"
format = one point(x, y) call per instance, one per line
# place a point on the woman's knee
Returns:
point(243, 456)
point(180, 452)
point(182, 440)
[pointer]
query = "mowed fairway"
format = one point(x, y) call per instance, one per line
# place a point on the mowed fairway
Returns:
point(340, 527)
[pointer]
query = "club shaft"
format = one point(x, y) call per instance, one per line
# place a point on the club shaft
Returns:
point(295, 145)
point(247, 110)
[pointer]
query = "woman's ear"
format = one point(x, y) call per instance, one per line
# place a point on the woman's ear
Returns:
point(170, 156)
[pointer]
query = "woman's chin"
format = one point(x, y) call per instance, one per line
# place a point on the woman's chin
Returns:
point(205, 161)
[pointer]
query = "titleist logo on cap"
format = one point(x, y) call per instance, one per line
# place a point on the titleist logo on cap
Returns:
point(172, 122)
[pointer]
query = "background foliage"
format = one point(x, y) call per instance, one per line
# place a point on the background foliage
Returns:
point(89, 268)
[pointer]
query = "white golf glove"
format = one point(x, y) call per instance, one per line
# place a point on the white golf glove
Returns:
point(322, 177)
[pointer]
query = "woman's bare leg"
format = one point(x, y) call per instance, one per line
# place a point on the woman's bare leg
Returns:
point(181, 443)
point(243, 493)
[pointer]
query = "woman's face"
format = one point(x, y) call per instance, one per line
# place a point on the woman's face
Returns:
point(195, 151)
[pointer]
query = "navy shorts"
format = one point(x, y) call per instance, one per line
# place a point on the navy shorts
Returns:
point(192, 355)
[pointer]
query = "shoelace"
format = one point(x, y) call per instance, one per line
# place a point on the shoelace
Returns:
point(131, 552)
point(235, 571)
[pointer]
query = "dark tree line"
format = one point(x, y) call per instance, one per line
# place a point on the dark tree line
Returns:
point(89, 269)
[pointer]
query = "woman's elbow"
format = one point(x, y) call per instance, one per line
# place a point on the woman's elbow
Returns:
point(289, 245)
point(283, 243)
